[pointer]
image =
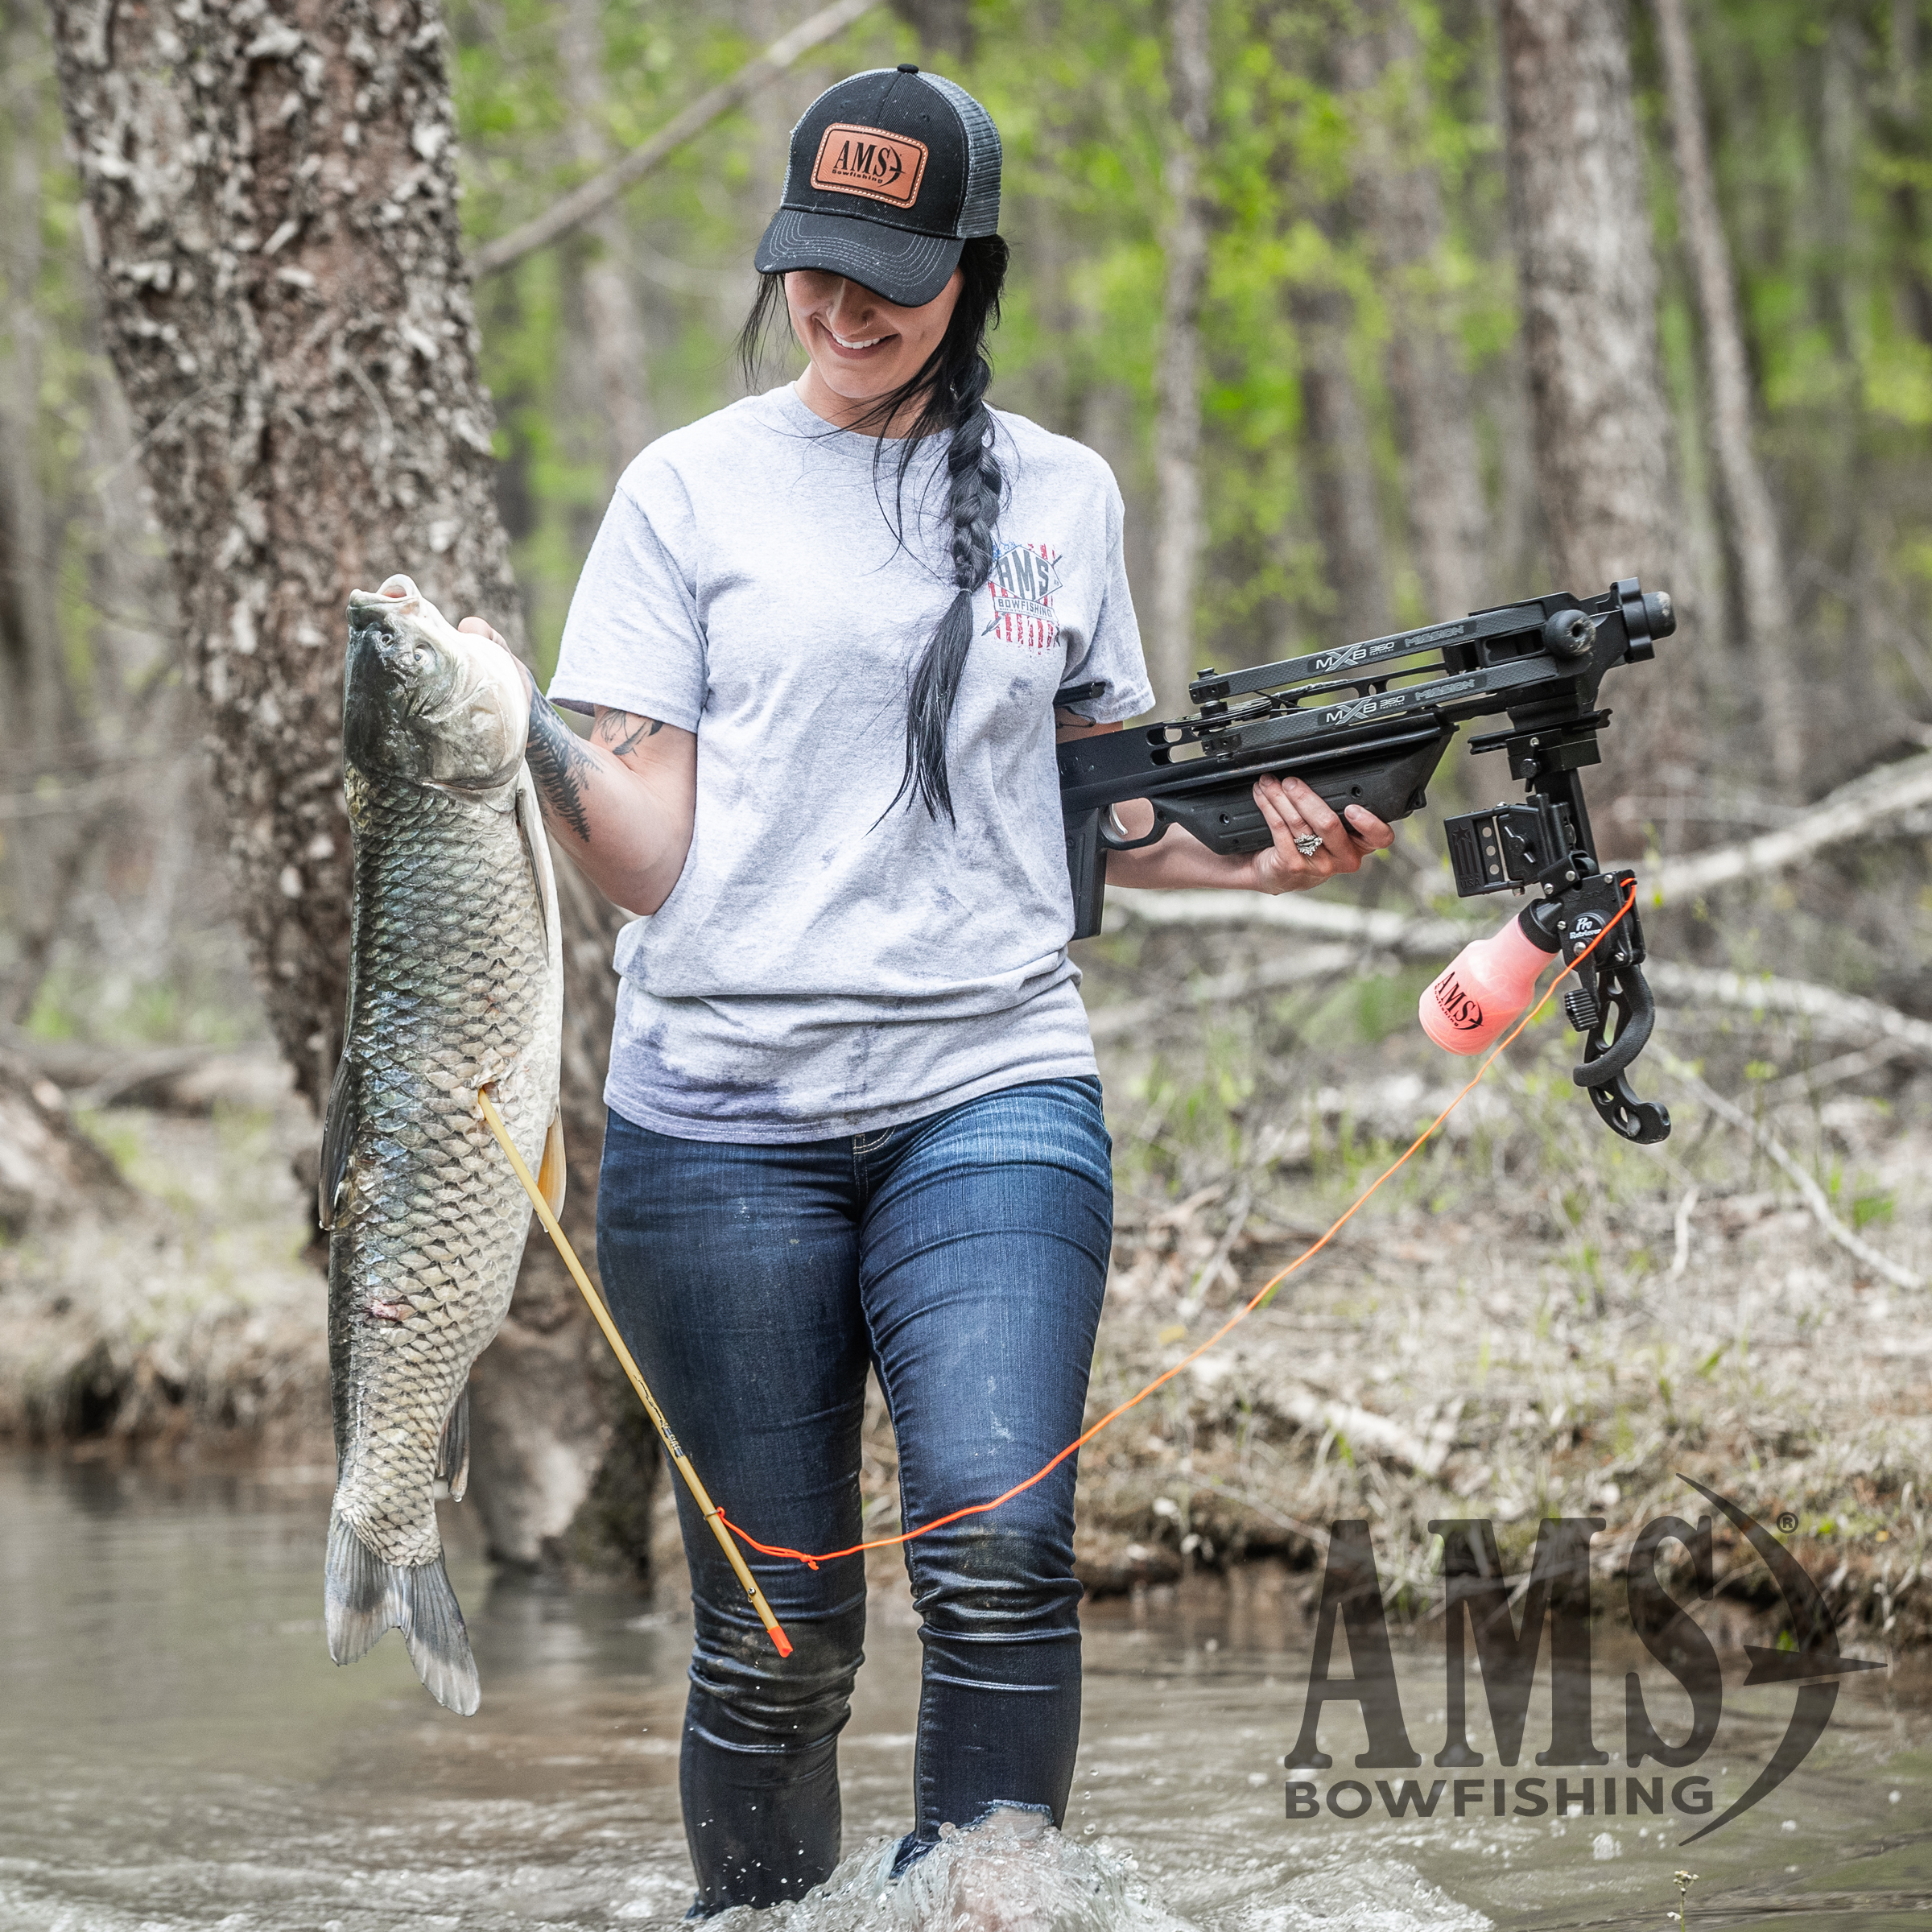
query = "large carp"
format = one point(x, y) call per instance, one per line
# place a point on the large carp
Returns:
point(456, 982)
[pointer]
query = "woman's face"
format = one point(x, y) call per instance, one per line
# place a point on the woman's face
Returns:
point(862, 346)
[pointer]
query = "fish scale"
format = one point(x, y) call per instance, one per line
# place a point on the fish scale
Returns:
point(430, 1030)
point(456, 983)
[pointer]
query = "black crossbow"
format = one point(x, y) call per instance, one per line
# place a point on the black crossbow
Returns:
point(1367, 725)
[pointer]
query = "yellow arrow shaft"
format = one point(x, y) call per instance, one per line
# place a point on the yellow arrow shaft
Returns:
point(601, 1314)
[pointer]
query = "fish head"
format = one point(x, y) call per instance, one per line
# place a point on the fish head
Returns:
point(424, 702)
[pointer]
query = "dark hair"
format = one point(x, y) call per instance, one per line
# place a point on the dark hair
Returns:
point(950, 389)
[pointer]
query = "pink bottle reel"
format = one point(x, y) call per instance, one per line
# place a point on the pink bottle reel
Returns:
point(1472, 1002)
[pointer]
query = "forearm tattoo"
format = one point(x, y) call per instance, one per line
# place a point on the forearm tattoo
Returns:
point(622, 732)
point(560, 765)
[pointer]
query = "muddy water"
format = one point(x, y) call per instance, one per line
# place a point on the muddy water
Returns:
point(177, 1752)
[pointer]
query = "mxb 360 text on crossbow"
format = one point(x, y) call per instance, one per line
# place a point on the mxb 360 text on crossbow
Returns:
point(1367, 725)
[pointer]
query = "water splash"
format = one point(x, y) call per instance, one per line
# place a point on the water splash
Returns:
point(1013, 1873)
point(1016, 1873)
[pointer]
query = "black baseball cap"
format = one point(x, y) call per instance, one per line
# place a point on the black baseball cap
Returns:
point(891, 173)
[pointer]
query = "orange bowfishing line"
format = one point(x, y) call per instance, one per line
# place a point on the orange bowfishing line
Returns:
point(720, 1522)
point(1240, 1315)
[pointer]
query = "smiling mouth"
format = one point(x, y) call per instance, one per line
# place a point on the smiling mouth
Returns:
point(854, 349)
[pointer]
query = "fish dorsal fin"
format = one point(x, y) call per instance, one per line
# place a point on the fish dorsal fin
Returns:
point(551, 1175)
point(453, 1450)
point(338, 1131)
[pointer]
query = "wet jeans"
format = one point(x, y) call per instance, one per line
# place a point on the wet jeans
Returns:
point(965, 1256)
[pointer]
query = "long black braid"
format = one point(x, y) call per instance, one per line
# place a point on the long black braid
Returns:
point(949, 390)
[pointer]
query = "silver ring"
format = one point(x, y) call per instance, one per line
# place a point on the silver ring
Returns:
point(1307, 843)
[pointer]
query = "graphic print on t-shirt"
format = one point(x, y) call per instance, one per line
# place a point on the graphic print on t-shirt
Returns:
point(1024, 576)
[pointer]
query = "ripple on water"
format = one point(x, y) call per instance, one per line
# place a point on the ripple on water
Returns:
point(1010, 1875)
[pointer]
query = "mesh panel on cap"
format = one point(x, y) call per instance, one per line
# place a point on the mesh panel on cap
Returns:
point(979, 210)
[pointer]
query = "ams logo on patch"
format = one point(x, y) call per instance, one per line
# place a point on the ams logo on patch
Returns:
point(868, 161)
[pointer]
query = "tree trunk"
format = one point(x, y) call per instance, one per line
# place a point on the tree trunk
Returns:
point(1340, 466)
point(944, 26)
point(611, 311)
point(272, 204)
point(1901, 126)
point(1177, 380)
point(1402, 211)
point(1764, 596)
point(40, 859)
point(274, 209)
point(1588, 282)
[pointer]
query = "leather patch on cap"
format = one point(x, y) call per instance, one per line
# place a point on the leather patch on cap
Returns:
point(869, 161)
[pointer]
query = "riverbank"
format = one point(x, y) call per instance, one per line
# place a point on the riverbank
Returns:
point(1531, 1318)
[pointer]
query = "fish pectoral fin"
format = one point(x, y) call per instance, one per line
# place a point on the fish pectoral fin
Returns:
point(362, 1596)
point(453, 1451)
point(536, 850)
point(551, 1175)
point(338, 1131)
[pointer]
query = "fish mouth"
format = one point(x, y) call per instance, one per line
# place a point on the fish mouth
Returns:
point(426, 701)
point(379, 617)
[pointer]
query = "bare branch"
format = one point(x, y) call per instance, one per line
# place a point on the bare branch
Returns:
point(1292, 969)
point(1839, 1016)
point(600, 190)
point(1853, 809)
point(1812, 1195)
point(1869, 803)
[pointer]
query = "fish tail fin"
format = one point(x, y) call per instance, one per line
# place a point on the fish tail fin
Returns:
point(439, 1644)
point(363, 1596)
point(453, 1451)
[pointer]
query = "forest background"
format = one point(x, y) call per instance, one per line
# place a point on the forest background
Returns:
point(1274, 262)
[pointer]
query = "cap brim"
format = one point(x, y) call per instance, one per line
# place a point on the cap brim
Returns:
point(905, 268)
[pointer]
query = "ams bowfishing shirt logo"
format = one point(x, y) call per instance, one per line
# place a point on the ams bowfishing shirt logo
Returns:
point(1024, 577)
point(853, 160)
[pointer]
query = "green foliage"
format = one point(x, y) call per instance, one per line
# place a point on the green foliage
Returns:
point(1825, 174)
point(1868, 1208)
point(527, 137)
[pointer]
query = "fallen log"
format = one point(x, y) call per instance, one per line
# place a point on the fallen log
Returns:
point(1381, 938)
point(1878, 799)
point(1831, 1014)
point(170, 1079)
point(1291, 969)
point(49, 1170)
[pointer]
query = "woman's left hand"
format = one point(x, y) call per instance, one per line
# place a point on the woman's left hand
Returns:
point(1294, 810)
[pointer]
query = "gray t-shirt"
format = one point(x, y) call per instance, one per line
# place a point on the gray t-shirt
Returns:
point(829, 964)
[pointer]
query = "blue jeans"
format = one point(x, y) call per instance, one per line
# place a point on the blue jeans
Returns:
point(965, 1256)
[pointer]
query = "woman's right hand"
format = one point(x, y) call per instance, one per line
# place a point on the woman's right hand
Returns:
point(481, 627)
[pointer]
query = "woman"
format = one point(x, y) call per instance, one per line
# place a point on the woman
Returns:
point(854, 1115)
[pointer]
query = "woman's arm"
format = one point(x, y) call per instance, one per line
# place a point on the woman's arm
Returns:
point(621, 802)
point(1291, 809)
